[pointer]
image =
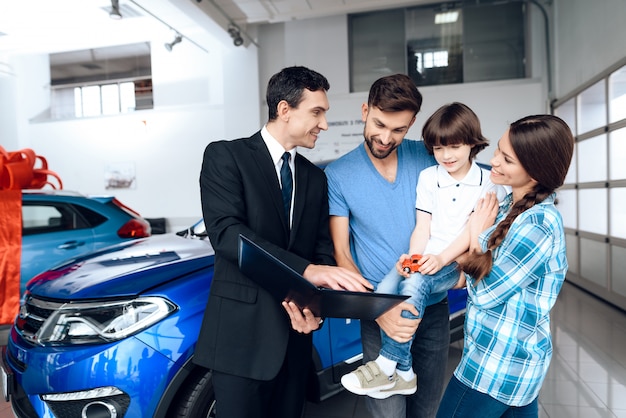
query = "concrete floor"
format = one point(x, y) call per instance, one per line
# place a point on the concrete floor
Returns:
point(587, 377)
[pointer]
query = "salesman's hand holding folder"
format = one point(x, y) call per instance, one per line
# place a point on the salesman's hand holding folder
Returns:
point(284, 283)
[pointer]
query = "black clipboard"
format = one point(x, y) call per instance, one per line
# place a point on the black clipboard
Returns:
point(284, 283)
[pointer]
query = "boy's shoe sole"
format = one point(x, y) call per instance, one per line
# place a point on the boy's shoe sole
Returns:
point(401, 387)
point(370, 378)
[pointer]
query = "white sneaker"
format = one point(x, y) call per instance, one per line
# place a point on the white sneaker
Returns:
point(400, 387)
point(367, 378)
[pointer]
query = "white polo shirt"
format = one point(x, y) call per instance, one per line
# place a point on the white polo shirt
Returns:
point(450, 202)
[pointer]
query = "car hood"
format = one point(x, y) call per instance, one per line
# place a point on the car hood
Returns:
point(125, 269)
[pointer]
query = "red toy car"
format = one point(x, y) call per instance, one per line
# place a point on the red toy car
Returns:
point(411, 264)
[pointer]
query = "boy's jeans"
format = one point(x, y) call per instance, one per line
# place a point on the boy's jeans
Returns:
point(430, 356)
point(419, 287)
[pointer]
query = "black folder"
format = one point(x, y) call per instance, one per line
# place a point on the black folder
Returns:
point(284, 283)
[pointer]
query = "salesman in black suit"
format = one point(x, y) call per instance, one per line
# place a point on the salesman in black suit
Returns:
point(260, 351)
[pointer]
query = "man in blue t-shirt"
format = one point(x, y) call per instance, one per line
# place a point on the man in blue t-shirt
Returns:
point(372, 207)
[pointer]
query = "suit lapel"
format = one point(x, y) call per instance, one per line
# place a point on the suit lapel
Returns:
point(300, 197)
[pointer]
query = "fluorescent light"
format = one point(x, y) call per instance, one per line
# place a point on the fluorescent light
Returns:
point(446, 17)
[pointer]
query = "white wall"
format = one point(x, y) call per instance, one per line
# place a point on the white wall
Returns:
point(8, 87)
point(198, 97)
point(589, 38)
point(201, 97)
point(322, 44)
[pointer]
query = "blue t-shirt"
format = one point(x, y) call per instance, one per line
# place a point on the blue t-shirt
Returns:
point(381, 214)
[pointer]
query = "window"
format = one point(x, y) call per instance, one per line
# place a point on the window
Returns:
point(592, 108)
point(45, 217)
point(40, 219)
point(593, 198)
point(617, 95)
point(438, 44)
point(40, 216)
point(109, 99)
point(102, 81)
point(376, 47)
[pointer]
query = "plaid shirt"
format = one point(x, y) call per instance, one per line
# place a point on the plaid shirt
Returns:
point(508, 347)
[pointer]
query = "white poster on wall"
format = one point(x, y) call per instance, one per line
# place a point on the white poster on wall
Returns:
point(119, 176)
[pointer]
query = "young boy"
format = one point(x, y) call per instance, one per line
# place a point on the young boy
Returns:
point(446, 196)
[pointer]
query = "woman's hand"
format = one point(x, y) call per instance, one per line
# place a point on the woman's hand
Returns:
point(483, 217)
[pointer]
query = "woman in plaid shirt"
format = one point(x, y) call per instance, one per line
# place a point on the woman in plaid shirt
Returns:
point(514, 272)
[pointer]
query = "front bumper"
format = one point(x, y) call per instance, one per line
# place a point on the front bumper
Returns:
point(84, 381)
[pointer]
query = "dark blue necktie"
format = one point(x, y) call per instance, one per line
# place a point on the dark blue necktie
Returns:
point(287, 183)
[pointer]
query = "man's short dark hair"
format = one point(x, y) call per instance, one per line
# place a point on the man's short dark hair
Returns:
point(395, 93)
point(289, 85)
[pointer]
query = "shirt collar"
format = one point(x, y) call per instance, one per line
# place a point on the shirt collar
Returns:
point(276, 150)
point(474, 177)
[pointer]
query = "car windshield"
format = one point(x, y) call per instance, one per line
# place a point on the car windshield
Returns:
point(197, 230)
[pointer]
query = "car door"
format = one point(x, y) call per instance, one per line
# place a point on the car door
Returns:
point(338, 345)
point(51, 233)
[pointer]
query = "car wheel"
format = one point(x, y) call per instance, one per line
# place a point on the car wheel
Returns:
point(197, 399)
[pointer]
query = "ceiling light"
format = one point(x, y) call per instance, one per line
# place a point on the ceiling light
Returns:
point(450, 16)
point(176, 40)
point(115, 10)
point(235, 33)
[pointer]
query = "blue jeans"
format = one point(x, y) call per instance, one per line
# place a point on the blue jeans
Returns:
point(419, 287)
point(430, 355)
point(460, 401)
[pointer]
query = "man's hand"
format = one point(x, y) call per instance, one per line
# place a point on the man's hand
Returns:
point(302, 321)
point(396, 326)
point(337, 278)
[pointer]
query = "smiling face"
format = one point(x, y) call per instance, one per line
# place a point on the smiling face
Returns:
point(506, 169)
point(384, 131)
point(455, 159)
point(305, 122)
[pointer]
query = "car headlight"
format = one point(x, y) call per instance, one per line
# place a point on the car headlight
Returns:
point(100, 322)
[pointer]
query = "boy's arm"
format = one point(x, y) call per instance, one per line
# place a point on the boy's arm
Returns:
point(421, 233)
point(418, 241)
point(432, 263)
point(457, 247)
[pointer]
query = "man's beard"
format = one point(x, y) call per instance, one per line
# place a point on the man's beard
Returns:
point(381, 155)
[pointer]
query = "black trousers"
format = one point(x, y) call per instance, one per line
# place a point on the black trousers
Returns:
point(281, 397)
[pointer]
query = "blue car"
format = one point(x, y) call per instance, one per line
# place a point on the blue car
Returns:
point(58, 225)
point(113, 334)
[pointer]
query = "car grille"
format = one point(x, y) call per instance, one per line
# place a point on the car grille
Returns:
point(32, 316)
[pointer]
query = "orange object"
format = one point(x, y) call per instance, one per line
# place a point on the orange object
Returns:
point(18, 171)
point(411, 264)
point(10, 253)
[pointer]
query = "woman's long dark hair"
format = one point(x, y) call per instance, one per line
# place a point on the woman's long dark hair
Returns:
point(544, 146)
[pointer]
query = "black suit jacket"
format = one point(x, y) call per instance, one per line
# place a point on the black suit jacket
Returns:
point(245, 331)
